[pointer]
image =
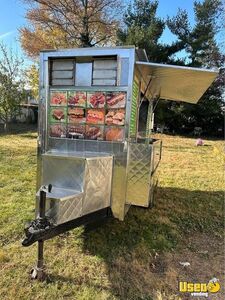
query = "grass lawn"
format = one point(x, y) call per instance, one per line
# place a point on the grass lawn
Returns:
point(135, 259)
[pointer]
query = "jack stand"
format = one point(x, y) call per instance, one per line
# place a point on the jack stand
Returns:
point(38, 272)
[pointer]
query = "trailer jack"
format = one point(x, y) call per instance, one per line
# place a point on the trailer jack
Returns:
point(37, 231)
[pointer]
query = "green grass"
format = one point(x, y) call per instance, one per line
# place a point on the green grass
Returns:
point(135, 259)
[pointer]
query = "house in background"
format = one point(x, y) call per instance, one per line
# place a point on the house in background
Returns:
point(29, 110)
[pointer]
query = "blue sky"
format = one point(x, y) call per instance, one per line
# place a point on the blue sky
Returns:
point(12, 17)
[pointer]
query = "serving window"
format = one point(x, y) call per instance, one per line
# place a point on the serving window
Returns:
point(87, 115)
point(84, 71)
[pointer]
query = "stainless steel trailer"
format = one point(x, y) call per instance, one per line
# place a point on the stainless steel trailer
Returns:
point(94, 135)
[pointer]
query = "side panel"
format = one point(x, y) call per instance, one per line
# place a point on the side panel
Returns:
point(98, 181)
point(42, 116)
point(139, 172)
point(143, 160)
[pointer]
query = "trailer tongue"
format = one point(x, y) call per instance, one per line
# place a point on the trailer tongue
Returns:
point(96, 156)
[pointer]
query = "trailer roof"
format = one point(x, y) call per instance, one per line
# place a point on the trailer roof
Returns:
point(171, 82)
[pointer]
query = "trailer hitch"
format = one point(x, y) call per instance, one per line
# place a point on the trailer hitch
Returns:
point(37, 231)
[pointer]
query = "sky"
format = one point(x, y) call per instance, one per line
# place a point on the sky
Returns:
point(12, 14)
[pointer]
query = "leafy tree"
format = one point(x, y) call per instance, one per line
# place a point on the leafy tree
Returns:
point(200, 40)
point(202, 50)
point(69, 23)
point(144, 29)
point(32, 79)
point(11, 85)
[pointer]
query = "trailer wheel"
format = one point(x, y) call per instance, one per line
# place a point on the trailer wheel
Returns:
point(37, 274)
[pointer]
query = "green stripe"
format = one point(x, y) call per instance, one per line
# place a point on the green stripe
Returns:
point(133, 118)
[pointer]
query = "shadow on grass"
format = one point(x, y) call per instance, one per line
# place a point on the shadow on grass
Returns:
point(205, 137)
point(19, 128)
point(132, 249)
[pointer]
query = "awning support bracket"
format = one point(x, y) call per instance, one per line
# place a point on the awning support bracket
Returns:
point(157, 102)
point(145, 92)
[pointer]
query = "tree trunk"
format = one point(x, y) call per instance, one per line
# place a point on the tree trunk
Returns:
point(85, 36)
point(6, 126)
point(6, 123)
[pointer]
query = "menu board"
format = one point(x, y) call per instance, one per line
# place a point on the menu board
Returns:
point(87, 115)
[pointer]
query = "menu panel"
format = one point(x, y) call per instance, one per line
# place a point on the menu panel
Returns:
point(94, 132)
point(77, 98)
point(96, 100)
point(87, 115)
point(58, 98)
point(116, 100)
point(95, 116)
point(76, 115)
point(58, 130)
point(115, 117)
point(58, 114)
point(114, 134)
point(76, 131)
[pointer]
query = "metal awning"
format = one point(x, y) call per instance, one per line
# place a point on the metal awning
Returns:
point(171, 82)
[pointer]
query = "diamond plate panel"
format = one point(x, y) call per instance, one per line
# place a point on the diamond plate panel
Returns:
point(98, 180)
point(138, 179)
point(70, 209)
point(62, 205)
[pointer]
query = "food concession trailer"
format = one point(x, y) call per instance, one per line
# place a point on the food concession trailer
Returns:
point(96, 156)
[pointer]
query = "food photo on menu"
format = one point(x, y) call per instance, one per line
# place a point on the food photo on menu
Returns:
point(58, 114)
point(76, 131)
point(94, 132)
point(116, 100)
point(115, 117)
point(95, 116)
point(96, 100)
point(77, 98)
point(58, 130)
point(76, 115)
point(58, 98)
point(114, 134)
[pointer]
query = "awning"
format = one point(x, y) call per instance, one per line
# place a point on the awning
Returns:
point(171, 82)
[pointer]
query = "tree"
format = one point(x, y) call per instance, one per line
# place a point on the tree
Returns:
point(200, 40)
point(202, 50)
point(69, 23)
point(32, 79)
point(144, 29)
point(11, 85)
